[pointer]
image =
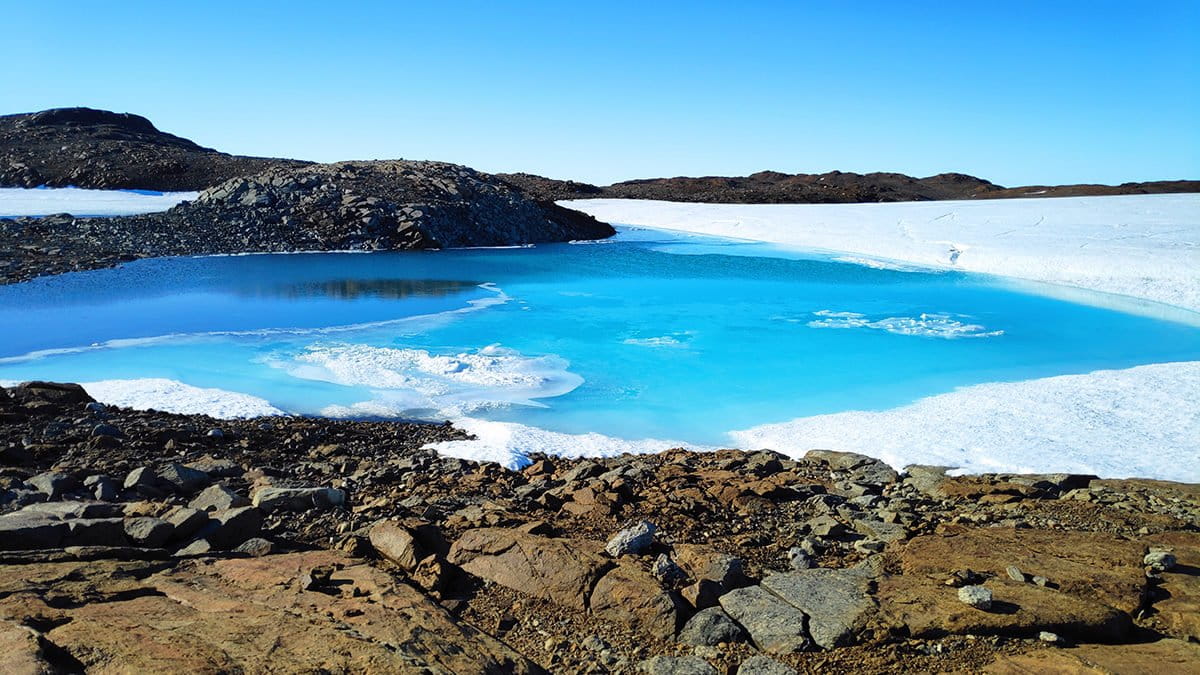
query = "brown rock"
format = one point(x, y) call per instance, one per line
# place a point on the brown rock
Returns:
point(1178, 613)
point(396, 543)
point(629, 595)
point(248, 615)
point(1153, 658)
point(1094, 566)
point(20, 653)
point(561, 570)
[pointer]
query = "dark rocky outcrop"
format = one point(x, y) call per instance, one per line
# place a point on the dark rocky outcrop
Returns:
point(834, 187)
point(383, 205)
point(101, 149)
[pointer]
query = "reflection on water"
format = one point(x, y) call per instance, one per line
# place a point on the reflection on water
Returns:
point(353, 289)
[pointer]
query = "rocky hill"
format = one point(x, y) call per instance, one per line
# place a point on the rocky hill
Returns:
point(385, 205)
point(772, 187)
point(100, 149)
point(143, 541)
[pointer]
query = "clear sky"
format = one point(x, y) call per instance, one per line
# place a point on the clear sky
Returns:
point(1018, 92)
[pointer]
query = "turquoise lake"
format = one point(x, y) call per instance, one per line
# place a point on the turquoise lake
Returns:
point(649, 336)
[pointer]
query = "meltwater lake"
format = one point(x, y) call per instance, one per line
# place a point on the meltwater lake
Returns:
point(649, 335)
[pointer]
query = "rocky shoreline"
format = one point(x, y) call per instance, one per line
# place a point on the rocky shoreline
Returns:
point(146, 541)
point(375, 206)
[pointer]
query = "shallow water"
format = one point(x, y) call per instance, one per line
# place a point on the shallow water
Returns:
point(651, 335)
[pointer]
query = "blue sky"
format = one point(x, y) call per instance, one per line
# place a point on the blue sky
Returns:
point(1019, 93)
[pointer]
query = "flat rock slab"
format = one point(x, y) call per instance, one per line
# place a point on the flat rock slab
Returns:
point(926, 608)
point(1093, 566)
point(20, 653)
point(249, 615)
point(837, 601)
point(774, 625)
point(1154, 658)
point(561, 570)
point(1178, 614)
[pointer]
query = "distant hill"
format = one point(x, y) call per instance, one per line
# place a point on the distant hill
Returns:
point(835, 187)
point(101, 149)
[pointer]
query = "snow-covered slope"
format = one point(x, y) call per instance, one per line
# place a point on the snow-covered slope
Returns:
point(1144, 246)
point(80, 202)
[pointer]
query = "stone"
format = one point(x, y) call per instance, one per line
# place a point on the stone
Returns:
point(1047, 636)
point(103, 487)
point(106, 430)
point(676, 665)
point(217, 468)
point(563, 571)
point(298, 499)
point(710, 627)
point(1176, 608)
point(764, 665)
point(862, 468)
point(148, 532)
point(775, 626)
point(702, 594)
point(1145, 658)
point(1015, 573)
point(182, 479)
point(630, 596)
point(396, 543)
point(73, 509)
point(23, 531)
point(218, 498)
point(979, 597)
point(799, 560)
point(255, 547)
point(186, 521)
point(95, 532)
point(53, 484)
point(20, 651)
point(197, 547)
point(665, 570)
point(1159, 560)
point(227, 529)
point(633, 540)
point(837, 601)
point(706, 563)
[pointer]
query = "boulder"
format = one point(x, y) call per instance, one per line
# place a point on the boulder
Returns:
point(218, 498)
point(633, 540)
point(775, 626)
point(148, 532)
point(676, 665)
point(30, 530)
point(1176, 608)
point(630, 596)
point(95, 532)
point(182, 479)
point(227, 529)
point(710, 627)
point(297, 499)
point(764, 665)
point(53, 484)
point(837, 601)
point(862, 469)
point(396, 543)
point(185, 521)
point(560, 570)
point(70, 395)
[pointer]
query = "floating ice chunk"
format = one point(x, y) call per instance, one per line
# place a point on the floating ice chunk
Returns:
point(923, 325)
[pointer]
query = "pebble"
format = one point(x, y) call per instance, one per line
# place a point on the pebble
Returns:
point(1047, 636)
point(1159, 560)
point(978, 597)
point(1015, 573)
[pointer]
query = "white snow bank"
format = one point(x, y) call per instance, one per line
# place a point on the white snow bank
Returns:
point(511, 444)
point(177, 397)
point(80, 202)
point(1142, 422)
point(1143, 246)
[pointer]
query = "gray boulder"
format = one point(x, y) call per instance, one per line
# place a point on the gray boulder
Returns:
point(775, 626)
point(23, 531)
point(764, 665)
point(633, 540)
point(676, 665)
point(298, 499)
point(837, 601)
point(218, 498)
point(710, 627)
point(148, 532)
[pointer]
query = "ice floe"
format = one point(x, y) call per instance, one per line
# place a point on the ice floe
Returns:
point(177, 397)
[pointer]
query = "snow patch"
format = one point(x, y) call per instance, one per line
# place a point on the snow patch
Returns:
point(46, 201)
point(1140, 421)
point(511, 444)
point(1143, 246)
point(176, 397)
